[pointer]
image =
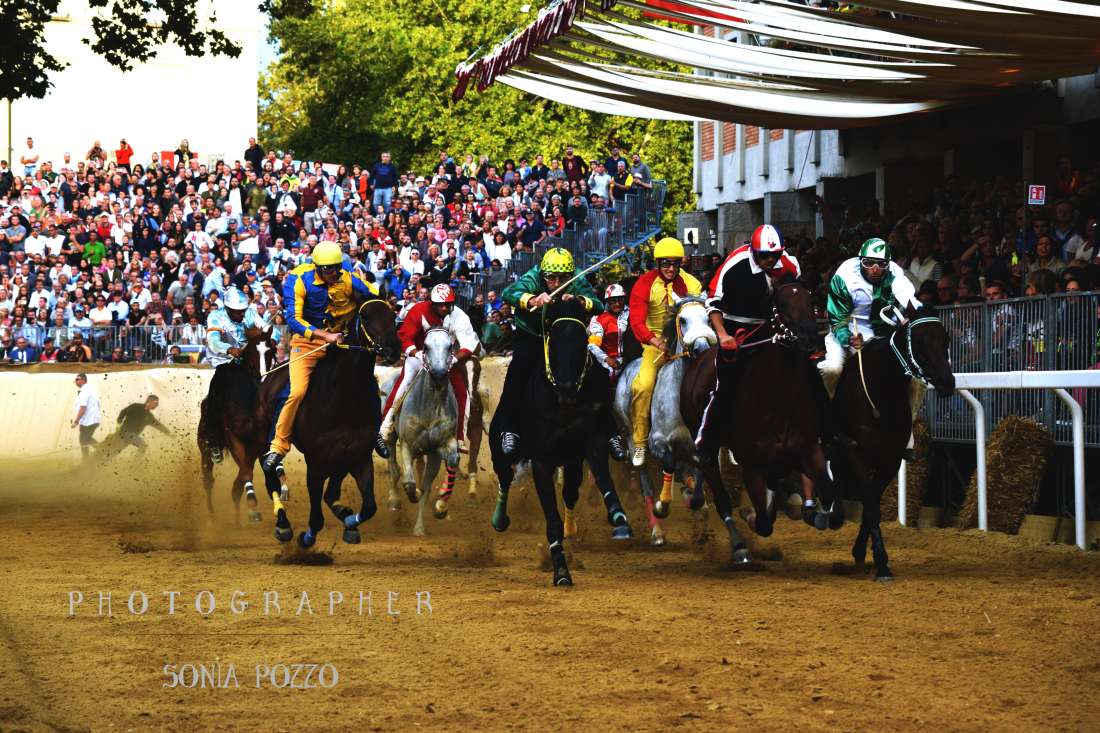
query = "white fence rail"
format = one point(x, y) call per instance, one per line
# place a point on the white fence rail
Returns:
point(1056, 381)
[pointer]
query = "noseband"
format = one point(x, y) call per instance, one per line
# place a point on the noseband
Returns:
point(369, 344)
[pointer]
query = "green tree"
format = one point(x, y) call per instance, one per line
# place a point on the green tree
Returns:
point(357, 77)
point(126, 31)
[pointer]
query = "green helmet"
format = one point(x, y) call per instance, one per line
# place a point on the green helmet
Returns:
point(875, 248)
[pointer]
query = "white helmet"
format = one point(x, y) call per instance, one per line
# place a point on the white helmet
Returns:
point(614, 290)
point(235, 299)
point(442, 293)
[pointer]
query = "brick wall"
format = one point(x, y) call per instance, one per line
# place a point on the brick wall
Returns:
point(708, 140)
point(752, 136)
point(776, 134)
point(729, 137)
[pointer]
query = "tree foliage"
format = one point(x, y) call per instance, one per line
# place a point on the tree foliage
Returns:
point(126, 31)
point(356, 77)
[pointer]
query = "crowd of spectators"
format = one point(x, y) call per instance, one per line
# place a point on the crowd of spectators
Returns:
point(105, 258)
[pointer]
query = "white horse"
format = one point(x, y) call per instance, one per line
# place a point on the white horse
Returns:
point(426, 430)
point(670, 443)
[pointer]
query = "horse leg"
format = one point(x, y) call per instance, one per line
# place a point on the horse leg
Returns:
point(395, 477)
point(694, 497)
point(723, 504)
point(572, 474)
point(283, 530)
point(663, 505)
point(873, 516)
point(364, 479)
point(762, 502)
point(407, 480)
point(332, 496)
point(505, 473)
point(616, 515)
point(476, 433)
point(544, 485)
point(428, 470)
point(242, 484)
point(829, 513)
point(656, 531)
point(207, 477)
point(315, 483)
point(450, 459)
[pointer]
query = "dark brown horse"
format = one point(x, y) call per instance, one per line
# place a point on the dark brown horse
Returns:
point(337, 423)
point(231, 417)
point(879, 419)
point(770, 420)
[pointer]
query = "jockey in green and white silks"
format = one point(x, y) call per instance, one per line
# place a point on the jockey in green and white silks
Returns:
point(860, 289)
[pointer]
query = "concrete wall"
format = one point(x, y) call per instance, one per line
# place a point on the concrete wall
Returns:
point(210, 101)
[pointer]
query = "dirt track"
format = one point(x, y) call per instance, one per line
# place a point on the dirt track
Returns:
point(978, 633)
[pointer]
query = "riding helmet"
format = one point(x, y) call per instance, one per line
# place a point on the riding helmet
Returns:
point(669, 248)
point(765, 240)
point(327, 253)
point(235, 299)
point(875, 248)
point(443, 293)
point(557, 260)
point(614, 290)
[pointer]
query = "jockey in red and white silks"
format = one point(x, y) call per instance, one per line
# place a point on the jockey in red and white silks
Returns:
point(438, 311)
point(606, 330)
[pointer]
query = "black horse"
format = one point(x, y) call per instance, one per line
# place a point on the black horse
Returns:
point(232, 417)
point(337, 422)
point(566, 405)
point(874, 409)
point(770, 421)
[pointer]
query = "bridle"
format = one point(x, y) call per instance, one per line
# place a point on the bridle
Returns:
point(781, 332)
point(368, 342)
point(685, 352)
point(908, 361)
point(546, 348)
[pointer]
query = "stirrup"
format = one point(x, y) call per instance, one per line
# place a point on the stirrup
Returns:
point(637, 459)
point(380, 446)
point(216, 454)
point(271, 461)
point(509, 442)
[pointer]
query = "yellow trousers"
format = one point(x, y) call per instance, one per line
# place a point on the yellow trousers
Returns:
point(301, 367)
point(641, 392)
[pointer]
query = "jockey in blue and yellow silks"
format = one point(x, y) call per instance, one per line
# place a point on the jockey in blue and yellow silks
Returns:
point(319, 297)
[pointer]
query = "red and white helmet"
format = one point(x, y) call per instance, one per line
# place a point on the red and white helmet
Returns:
point(765, 240)
point(443, 293)
point(614, 290)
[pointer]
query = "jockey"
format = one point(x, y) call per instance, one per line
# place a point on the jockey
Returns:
point(319, 298)
point(438, 311)
point(605, 331)
point(860, 289)
point(526, 296)
point(740, 293)
point(650, 301)
point(225, 339)
point(226, 326)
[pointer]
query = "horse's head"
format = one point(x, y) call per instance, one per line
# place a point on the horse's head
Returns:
point(258, 354)
point(437, 353)
point(567, 358)
point(921, 340)
point(375, 331)
point(793, 315)
point(690, 328)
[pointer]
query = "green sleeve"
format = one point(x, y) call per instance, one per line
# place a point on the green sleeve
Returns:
point(840, 309)
point(529, 283)
point(583, 289)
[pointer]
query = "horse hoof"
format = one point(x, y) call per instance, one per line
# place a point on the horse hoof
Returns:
point(471, 499)
point(657, 537)
point(306, 540)
point(411, 492)
point(741, 556)
point(660, 509)
point(562, 578)
point(501, 522)
point(351, 536)
point(419, 532)
point(622, 532)
point(255, 517)
point(821, 521)
point(284, 534)
point(836, 518)
point(763, 527)
point(440, 510)
point(887, 578)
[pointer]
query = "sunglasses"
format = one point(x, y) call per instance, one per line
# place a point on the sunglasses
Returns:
point(873, 264)
point(668, 263)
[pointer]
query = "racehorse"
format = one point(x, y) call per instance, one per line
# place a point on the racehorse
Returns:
point(872, 406)
point(231, 416)
point(426, 429)
point(690, 334)
point(565, 406)
point(337, 422)
point(770, 421)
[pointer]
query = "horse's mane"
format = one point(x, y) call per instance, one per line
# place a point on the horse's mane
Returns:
point(566, 309)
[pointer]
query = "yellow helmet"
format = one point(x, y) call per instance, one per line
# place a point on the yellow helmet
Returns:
point(668, 248)
point(327, 253)
point(557, 260)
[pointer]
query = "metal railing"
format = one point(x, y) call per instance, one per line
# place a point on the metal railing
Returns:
point(1045, 333)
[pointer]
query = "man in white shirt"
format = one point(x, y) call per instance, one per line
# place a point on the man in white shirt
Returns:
point(29, 158)
point(600, 181)
point(87, 414)
point(35, 244)
point(54, 240)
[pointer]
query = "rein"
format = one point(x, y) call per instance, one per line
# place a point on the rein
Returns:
point(372, 345)
point(910, 365)
point(781, 333)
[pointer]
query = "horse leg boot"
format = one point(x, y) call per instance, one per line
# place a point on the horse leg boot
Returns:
point(668, 472)
point(616, 515)
point(544, 486)
point(570, 493)
point(500, 518)
point(656, 531)
point(315, 482)
point(364, 479)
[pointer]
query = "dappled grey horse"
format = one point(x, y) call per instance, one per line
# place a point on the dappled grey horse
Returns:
point(426, 430)
point(671, 444)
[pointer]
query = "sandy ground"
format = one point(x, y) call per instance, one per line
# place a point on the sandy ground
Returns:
point(978, 632)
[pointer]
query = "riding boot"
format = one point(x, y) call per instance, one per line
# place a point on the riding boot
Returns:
point(271, 461)
point(509, 444)
point(216, 454)
point(617, 447)
point(380, 446)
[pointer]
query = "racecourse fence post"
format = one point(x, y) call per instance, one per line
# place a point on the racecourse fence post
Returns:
point(901, 494)
point(979, 449)
point(1078, 464)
